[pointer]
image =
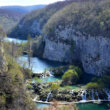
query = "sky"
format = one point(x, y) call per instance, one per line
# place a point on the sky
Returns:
point(25, 2)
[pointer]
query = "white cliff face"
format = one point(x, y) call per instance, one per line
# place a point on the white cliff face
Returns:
point(92, 52)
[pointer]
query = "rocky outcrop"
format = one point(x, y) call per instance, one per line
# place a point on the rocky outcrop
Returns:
point(71, 46)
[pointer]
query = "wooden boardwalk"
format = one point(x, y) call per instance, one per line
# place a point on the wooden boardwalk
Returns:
point(69, 103)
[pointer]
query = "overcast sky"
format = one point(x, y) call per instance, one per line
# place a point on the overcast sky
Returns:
point(25, 2)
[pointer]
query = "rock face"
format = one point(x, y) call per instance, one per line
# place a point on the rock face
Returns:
point(70, 46)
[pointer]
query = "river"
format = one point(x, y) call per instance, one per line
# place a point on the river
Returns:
point(39, 65)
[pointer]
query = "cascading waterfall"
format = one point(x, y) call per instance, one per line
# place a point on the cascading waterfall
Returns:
point(92, 94)
point(97, 95)
point(35, 98)
point(108, 94)
point(45, 74)
point(83, 95)
point(48, 96)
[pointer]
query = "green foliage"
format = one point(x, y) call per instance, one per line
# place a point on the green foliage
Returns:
point(27, 73)
point(72, 76)
point(54, 86)
point(3, 99)
point(89, 18)
point(93, 85)
point(39, 18)
point(38, 80)
point(29, 86)
point(69, 74)
point(8, 22)
point(77, 69)
point(102, 82)
point(14, 71)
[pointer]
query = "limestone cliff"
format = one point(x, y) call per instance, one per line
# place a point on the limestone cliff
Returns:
point(80, 32)
point(92, 52)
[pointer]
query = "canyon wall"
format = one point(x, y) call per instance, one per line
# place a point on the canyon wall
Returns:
point(70, 46)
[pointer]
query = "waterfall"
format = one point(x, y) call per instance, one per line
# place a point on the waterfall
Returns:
point(83, 95)
point(108, 94)
point(48, 96)
point(92, 94)
point(35, 98)
point(97, 95)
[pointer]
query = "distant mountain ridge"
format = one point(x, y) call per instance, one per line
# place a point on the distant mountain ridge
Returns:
point(22, 9)
point(10, 15)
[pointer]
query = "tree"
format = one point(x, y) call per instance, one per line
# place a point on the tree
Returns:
point(29, 49)
point(70, 77)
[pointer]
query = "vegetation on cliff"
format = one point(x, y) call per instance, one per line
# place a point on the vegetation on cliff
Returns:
point(89, 18)
point(99, 83)
point(33, 22)
point(9, 19)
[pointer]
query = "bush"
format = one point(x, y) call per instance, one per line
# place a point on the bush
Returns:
point(102, 82)
point(77, 69)
point(94, 85)
point(29, 87)
point(70, 77)
point(54, 86)
point(27, 73)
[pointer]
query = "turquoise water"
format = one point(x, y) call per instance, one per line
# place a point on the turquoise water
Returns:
point(91, 106)
point(50, 79)
point(14, 40)
point(84, 106)
point(37, 64)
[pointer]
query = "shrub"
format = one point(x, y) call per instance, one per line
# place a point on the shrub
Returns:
point(54, 86)
point(29, 86)
point(77, 69)
point(102, 81)
point(70, 77)
point(27, 73)
point(94, 85)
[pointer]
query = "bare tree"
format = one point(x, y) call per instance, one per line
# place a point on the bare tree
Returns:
point(29, 49)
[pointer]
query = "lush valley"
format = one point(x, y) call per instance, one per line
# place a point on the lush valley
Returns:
point(70, 31)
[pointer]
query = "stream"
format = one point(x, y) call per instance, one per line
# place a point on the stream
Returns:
point(39, 65)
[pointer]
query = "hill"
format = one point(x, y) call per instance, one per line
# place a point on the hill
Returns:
point(33, 22)
point(8, 19)
point(11, 15)
point(92, 18)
